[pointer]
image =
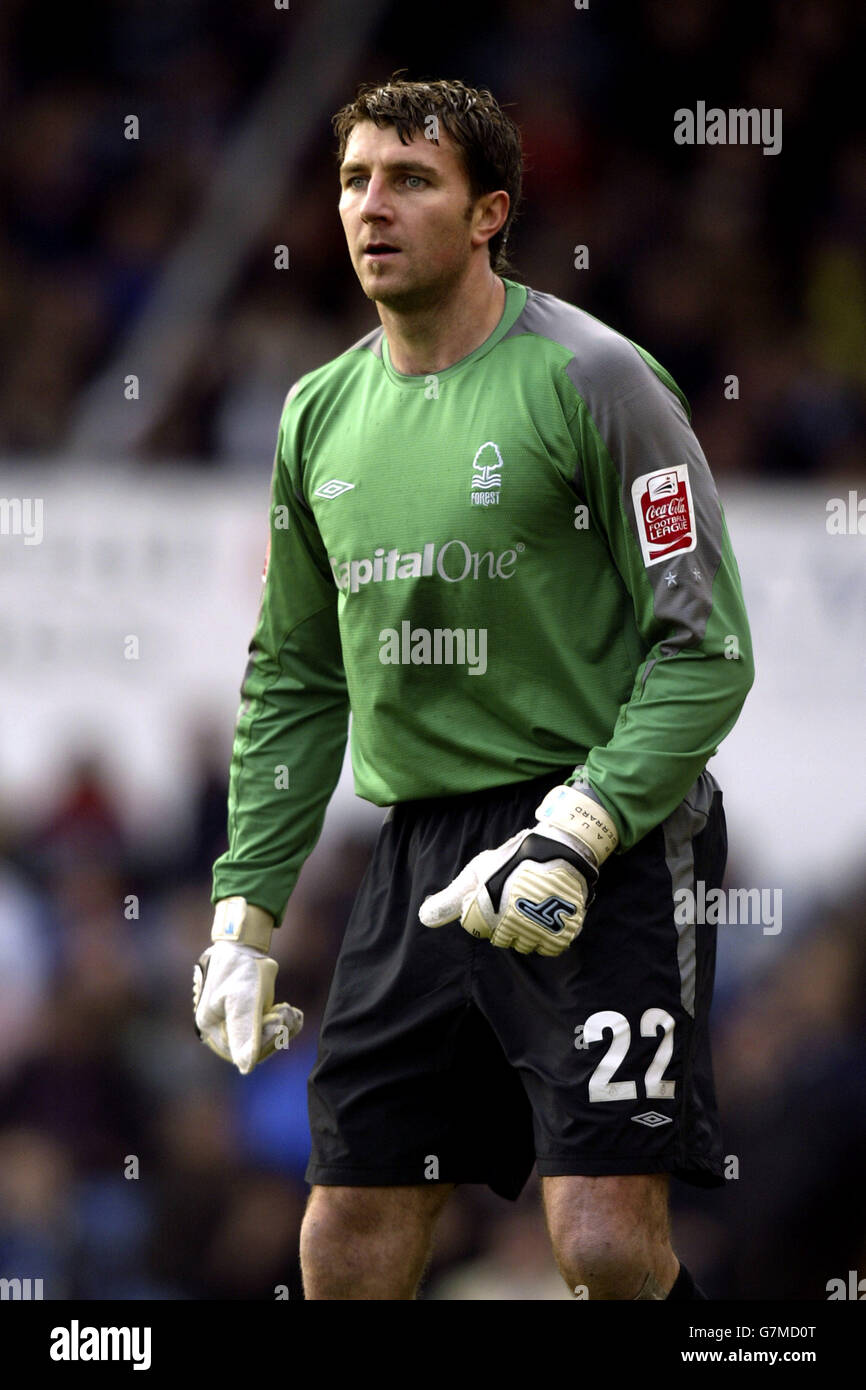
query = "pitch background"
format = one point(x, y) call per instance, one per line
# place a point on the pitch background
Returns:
point(132, 1163)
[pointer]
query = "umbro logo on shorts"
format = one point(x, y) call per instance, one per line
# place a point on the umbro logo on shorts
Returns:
point(547, 914)
point(652, 1119)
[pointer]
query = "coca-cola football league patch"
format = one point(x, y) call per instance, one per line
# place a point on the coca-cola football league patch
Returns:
point(665, 515)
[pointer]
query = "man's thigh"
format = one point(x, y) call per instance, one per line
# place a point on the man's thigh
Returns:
point(373, 1208)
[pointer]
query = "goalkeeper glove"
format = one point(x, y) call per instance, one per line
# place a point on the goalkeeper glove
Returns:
point(233, 989)
point(533, 891)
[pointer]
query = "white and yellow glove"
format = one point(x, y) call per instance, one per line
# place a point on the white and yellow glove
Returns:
point(532, 892)
point(233, 989)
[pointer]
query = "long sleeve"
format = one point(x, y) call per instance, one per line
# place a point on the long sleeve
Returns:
point(292, 725)
point(649, 488)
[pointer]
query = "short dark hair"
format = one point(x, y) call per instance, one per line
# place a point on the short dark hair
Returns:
point(488, 138)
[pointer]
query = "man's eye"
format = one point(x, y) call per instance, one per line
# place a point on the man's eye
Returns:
point(415, 180)
point(355, 180)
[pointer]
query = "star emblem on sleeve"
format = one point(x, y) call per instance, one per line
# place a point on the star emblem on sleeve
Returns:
point(671, 579)
point(696, 572)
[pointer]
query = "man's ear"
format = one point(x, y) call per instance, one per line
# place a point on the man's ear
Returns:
point(490, 212)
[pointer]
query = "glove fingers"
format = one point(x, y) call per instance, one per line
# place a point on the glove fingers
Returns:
point(447, 905)
point(282, 1022)
point(279, 1027)
point(456, 901)
point(479, 916)
point(204, 1012)
point(244, 1014)
point(208, 1021)
point(474, 920)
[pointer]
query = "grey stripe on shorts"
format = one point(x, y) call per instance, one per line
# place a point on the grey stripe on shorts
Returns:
point(680, 829)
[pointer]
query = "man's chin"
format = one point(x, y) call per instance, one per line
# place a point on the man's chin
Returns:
point(402, 294)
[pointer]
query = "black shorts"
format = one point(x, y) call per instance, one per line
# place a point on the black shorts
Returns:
point(444, 1058)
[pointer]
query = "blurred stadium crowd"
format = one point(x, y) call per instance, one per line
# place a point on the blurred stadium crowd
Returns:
point(718, 260)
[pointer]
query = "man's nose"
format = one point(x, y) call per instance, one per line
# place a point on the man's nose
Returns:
point(375, 204)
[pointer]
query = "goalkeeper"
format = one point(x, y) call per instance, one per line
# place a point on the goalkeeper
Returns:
point(495, 539)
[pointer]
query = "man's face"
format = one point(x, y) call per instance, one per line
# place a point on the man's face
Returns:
point(407, 213)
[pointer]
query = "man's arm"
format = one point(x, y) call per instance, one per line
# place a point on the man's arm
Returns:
point(291, 730)
point(631, 427)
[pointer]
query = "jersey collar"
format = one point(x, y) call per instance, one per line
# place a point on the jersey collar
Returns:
point(515, 300)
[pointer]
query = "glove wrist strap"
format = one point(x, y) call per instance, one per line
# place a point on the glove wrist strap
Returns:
point(581, 816)
point(237, 920)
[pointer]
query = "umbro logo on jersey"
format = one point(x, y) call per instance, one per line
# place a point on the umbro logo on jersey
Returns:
point(547, 914)
point(486, 480)
point(333, 488)
point(652, 1119)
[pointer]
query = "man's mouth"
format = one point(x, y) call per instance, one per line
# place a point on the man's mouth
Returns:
point(376, 249)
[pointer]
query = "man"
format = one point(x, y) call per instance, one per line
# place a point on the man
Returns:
point(495, 539)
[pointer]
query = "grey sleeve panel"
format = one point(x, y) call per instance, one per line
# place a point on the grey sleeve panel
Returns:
point(643, 426)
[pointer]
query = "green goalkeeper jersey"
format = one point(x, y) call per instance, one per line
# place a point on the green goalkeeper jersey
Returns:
point(514, 565)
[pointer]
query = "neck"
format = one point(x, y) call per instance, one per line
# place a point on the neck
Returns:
point(433, 337)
